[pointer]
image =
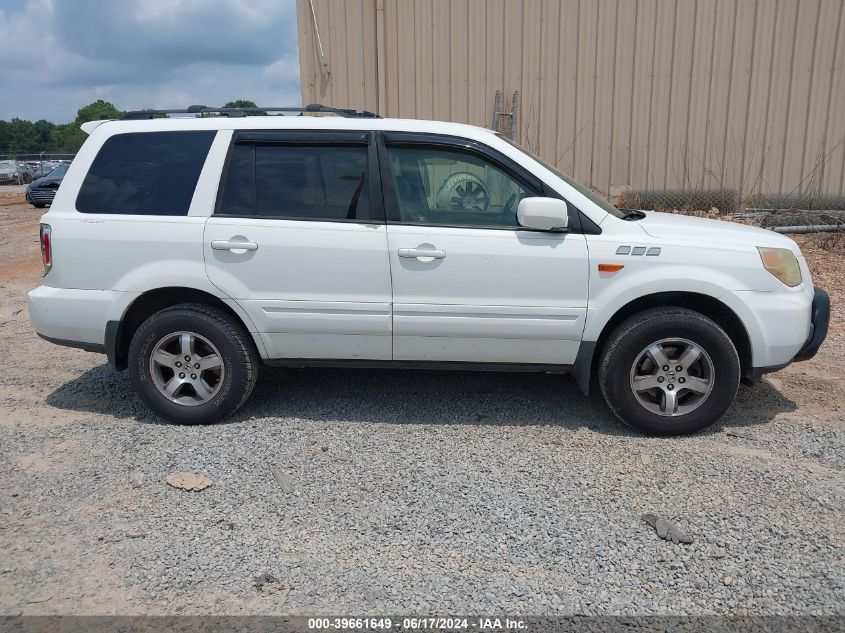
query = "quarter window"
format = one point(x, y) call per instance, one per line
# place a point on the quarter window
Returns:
point(145, 173)
point(297, 182)
point(454, 188)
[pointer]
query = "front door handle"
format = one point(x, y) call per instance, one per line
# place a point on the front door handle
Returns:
point(421, 253)
point(228, 245)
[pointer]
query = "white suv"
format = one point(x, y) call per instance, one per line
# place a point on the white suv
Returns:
point(191, 250)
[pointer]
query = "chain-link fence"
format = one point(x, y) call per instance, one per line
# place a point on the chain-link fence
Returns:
point(796, 212)
point(678, 200)
point(37, 156)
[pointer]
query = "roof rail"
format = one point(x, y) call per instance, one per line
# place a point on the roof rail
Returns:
point(239, 112)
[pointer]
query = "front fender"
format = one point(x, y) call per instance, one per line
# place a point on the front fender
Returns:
point(706, 270)
point(607, 298)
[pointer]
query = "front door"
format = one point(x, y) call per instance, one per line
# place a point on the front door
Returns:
point(298, 240)
point(470, 285)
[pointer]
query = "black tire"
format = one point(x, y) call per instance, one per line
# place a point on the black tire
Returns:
point(236, 349)
point(39, 205)
point(623, 350)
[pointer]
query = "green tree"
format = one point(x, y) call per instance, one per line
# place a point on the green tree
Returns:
point(5, 137)
point(42, 131)
point(245, 103)
point(70, 137)
point(23, 137)
point(67, 138)
point(20, 136)
point(97, 111)
point(238, 103)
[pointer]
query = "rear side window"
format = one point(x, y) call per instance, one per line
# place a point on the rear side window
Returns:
point(297, 182)
point(145, 173)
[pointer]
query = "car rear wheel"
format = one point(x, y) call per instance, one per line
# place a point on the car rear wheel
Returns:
point(669, 371)
point(193, 364)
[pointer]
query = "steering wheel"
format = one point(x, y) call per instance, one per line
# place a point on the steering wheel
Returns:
point(506, 217)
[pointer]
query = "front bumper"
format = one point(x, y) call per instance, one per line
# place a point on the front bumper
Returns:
point(819, 320)
point(40, 196)
point(820, 316)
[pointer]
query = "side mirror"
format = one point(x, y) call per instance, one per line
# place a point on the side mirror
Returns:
point(543, 214)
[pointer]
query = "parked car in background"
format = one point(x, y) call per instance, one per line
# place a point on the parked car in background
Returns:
point(13, 173)
point(41, 191)
point(8, 172)
point(41, 168)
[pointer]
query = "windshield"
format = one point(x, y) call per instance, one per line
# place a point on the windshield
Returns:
point(58, 171)
point(589, 193)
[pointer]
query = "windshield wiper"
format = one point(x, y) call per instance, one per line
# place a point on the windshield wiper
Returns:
point(631, 214)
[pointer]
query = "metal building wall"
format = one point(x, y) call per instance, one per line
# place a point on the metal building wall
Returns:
point(656, 94)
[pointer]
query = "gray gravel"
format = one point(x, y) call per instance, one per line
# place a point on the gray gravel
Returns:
point(387, 491)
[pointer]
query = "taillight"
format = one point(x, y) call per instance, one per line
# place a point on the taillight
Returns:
point(46, 248)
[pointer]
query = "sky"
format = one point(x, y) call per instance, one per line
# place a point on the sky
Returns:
point(59, 55)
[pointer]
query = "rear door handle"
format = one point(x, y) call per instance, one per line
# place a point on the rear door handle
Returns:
point(419, 253)
point(227, 245)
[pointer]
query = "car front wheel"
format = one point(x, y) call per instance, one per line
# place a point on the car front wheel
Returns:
point(192, 364)
point(669, 371)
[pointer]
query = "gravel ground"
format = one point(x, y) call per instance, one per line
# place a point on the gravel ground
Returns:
point(389, 492)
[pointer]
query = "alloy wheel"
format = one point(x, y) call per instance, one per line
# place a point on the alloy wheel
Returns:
point(186, 368)
point(672, 377)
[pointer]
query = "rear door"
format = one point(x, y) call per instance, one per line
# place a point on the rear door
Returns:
point(298, 240)
point(469, 284)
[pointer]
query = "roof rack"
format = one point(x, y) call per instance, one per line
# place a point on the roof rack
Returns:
point(239, 112)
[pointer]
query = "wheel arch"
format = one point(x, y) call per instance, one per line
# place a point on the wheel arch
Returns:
point(119, 333)
point(709, 306)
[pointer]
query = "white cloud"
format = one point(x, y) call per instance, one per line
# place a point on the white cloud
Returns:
point(281, 70)
point(145, 53)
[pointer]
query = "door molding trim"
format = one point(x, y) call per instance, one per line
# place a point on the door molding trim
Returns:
point(419, 364)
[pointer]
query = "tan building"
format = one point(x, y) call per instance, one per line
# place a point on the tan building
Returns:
point(747, 95)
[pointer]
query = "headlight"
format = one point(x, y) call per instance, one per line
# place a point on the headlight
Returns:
point(782, 263)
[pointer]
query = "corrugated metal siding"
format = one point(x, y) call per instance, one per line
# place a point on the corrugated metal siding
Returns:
point(655, 94)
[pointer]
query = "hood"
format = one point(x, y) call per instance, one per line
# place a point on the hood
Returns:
point(47, 181)
point(673, 226)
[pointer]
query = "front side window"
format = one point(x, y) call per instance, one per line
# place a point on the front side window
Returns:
point(297, 182)
point(145, 173)
point(454, 188)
